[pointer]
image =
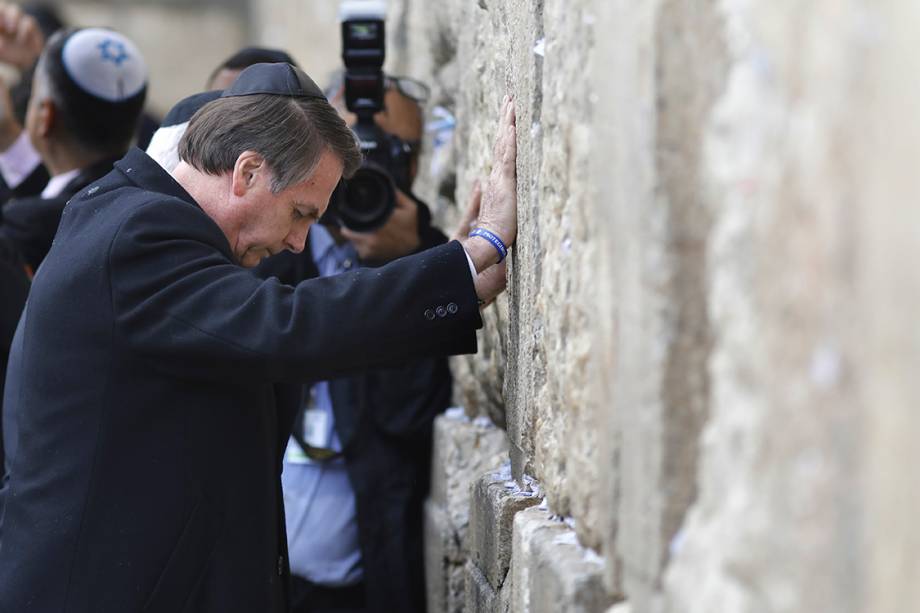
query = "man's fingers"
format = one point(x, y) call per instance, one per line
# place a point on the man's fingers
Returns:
point(403, 201)
point(472, 211)
point(510, 154)
point(498, 146)
point(491, 282)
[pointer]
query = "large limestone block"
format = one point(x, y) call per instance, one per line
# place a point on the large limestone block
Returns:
point(663, 390)
point(552, 572)
point(526, 524)
point(623, 172)
point(481, 597)
point(462, 450)
point(442, 556)
point(813, 305)
point(496, 499)
point(888, 291)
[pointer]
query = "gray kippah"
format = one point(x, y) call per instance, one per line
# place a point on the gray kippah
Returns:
point(277, 79)
point(104, 64)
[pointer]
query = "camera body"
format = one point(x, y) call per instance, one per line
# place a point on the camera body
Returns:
point(364, 202)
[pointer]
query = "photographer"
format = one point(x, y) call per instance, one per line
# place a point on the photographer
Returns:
point(355, 519)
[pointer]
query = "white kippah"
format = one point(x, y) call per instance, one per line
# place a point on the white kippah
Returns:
point(104, 64)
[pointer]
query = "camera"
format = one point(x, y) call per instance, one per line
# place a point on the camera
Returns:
point(364, 202)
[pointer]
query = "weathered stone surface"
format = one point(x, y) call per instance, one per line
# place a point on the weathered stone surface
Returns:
point(441, 552)
point(495, 500)
point(806, 228)
point(463, 449)
point(526, 524)
point(662, 388)
point(553, 573)
point(529, 49)
point(481, 597)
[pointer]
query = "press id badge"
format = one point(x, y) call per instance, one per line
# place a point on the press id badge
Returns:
point(315, 427)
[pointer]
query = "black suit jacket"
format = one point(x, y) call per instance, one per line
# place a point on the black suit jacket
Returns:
point(30, 222)
point(144, 372)
point(383, 418)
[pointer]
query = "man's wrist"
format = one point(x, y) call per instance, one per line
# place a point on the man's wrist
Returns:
point(480, 251)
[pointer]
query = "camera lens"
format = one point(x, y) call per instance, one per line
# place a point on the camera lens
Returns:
point(369, 199)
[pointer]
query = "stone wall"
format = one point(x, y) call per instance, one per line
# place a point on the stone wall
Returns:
point(699, 392)
point(703, 359)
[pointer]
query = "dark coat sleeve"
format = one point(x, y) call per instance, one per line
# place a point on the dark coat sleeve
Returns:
point(179, 300)
point(30, 225)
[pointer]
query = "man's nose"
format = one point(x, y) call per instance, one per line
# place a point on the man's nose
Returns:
point(296, 240)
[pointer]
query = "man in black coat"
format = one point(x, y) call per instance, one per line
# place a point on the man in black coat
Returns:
point(145, 370)
point(354, 519)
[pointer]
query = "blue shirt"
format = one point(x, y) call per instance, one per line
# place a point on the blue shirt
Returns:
point(319, 501)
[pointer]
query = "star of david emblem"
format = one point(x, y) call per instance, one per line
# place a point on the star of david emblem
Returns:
point(113, 51)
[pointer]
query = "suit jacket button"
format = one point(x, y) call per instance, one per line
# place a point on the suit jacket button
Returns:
point(429, 314)
point(441, 311)
point(280, 565)
point(452, 308)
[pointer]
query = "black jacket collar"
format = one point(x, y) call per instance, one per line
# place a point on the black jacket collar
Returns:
point(90, 174)
point(140, 169)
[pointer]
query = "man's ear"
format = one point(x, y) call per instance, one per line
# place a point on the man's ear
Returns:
point(47, 117)
point(249, 171)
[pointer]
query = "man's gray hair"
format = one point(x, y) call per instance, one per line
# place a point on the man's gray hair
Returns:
point(289, 133)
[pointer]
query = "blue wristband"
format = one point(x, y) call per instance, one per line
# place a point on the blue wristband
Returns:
point(492, 238)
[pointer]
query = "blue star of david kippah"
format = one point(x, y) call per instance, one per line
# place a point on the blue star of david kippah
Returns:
point(276, 79)
point(104, 64)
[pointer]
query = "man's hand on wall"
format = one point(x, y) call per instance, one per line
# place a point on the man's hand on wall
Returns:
point(21, 40)
point(396, 238)
point(490, 283)
point(498, 209)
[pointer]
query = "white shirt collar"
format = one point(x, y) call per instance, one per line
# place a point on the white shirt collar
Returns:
point(57, 183)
